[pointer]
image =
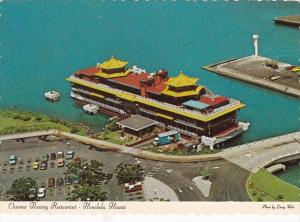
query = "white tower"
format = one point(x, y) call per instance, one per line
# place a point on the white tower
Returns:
point(255, 42)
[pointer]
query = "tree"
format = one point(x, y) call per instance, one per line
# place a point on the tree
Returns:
point(205, 173)
point(23, 189)
point(112, 125)
point(88, 193)
point(87, 172)
point(126, 173)
point(279, 197)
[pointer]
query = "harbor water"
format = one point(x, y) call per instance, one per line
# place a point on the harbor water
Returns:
point(43, 42)
point(291, 175)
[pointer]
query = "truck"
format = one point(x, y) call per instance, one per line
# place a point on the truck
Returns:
point(166, 137)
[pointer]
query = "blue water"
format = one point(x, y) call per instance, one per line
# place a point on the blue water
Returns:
point(291, 175)
point(42, 42)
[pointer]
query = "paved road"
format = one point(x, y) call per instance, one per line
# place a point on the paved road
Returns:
point(179, 178)
point(156, 189)
point(26, 135)
point(253, 156)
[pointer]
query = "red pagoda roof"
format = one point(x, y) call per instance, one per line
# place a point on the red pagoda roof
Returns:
point(213, 101)
point(134, 80)
point(89, 71)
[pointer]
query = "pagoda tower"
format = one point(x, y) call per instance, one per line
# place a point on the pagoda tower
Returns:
point(182, 88)
point(112, 68)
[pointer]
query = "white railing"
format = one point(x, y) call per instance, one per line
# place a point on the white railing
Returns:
point(182, 130)
point(88, 93)
point(147, 111)
point(232, 102)
point(185, 122)
point(81, 90)
point(113, 100)
point(76, 96)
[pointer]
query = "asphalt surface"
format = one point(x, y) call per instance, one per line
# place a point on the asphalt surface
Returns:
point(228, 180)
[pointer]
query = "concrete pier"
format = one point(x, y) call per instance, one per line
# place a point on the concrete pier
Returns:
point(259, 154)
point(253, 69)
point(292, 20)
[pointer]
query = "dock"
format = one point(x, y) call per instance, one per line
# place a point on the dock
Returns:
point(258, 71)
point(291, 20)
point(52, 96)
point(91, 109)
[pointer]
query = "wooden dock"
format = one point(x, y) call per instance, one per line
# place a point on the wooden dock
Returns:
point(253, 69)
point(292, 20)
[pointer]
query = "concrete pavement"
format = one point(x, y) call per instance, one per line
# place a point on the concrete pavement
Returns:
point(156, 189)
point(26, 135)
point(253, 156)
point(250, 156)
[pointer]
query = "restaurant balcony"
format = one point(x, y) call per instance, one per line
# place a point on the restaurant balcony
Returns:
point(105, 106)
point(166, 106)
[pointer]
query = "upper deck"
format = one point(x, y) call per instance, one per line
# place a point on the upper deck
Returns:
point(181, 110)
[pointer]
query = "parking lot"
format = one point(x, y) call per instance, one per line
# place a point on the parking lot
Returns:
point(178, 176)
point(33, 149)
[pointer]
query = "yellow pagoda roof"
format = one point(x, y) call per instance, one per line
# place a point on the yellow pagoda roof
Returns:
point(113, 75)
point(112, 63)
point(169, 92)
point(182, 80)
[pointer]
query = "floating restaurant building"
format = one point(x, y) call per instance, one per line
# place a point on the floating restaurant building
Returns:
point(177, 103)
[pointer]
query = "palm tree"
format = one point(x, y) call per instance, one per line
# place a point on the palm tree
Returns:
point(23, 189)
point(88, 193)
point(88, 172)
point(126, 173)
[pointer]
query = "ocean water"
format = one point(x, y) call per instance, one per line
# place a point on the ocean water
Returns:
point(291, 175)
point(43, 41)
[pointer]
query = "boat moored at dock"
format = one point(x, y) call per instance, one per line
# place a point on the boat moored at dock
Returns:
point(176, 103)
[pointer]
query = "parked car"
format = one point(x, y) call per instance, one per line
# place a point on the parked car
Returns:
point(51, 182)
point(60, 155)
point(41, 192)
point(44, 165)
point(133, 187)
point(12, 160)
point(52, 156)
point(35, 165)
point(70, 155)
point(59, 182)
point(76, 180)
point(60, 162)
point(274, 77)
point(45, 157)
point(68, 180)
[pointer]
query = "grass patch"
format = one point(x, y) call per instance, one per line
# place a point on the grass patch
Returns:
point(264, 186)
point(178, 152)
point(113, 137)
point(14, 121)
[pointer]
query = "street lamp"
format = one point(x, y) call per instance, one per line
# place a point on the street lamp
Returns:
point(255, 42)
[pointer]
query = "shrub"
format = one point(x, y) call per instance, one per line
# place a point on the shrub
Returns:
point(74, 129)
point(16, 116)
point(279, 196)
point(259, 198)
point(25, 118)
point(38, 118)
